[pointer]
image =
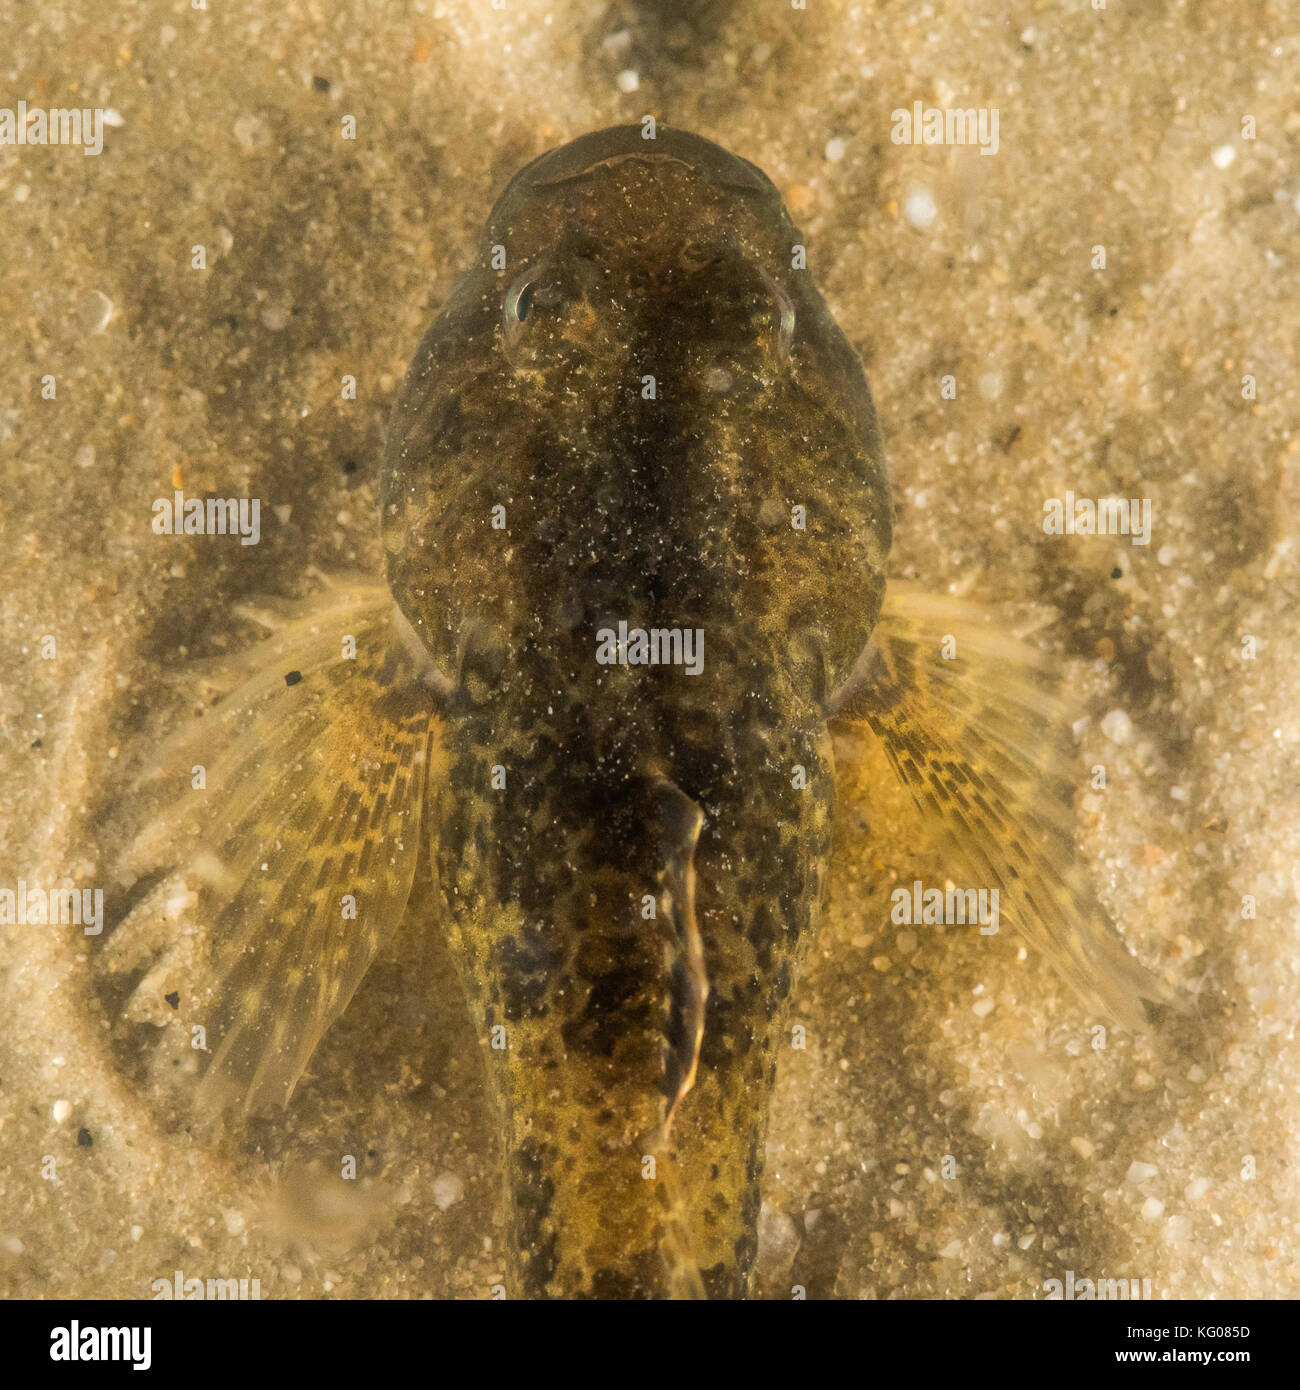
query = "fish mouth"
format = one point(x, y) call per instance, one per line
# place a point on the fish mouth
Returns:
point(618, 144)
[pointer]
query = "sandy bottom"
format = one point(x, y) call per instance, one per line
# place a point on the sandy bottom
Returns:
point(1120, 129)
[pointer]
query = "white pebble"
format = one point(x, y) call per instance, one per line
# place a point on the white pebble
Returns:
point(919, 208)
point(448, 1189)
point(1153, 1209)
point(778, 1239)
point(95, 312)
point(835, 150)
point(628, 80)
point(1117, 726)
point(62, 1109)
point(1196, 1189)
point(1141, 1172)
point(1223, 156)
point(85, 456)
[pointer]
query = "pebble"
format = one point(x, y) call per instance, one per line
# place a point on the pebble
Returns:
point(778, 1239)
point(919, 208)
point(448, 1189)
point(835, 150)
point(1117, 726)
point(1140, 1172)
point(1153, 1209)
point(62, 1109)
point(95, 312)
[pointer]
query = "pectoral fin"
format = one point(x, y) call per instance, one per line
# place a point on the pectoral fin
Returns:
point(303, 843)
point(980, 742)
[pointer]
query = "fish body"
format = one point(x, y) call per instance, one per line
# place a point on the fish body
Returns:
point(635, 416)
point(664, 507)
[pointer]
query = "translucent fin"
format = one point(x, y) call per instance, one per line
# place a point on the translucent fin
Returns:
point(680, 820)
point(301, 848)
point(983, 747)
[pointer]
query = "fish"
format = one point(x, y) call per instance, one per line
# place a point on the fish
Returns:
point(635, 632)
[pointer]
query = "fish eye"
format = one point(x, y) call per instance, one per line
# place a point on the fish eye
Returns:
point(785, 318)
point(520, 296)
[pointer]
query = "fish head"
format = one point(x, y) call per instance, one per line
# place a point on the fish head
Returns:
point(637, 406)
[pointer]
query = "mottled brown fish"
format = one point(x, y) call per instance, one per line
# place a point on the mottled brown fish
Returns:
point(636, 518)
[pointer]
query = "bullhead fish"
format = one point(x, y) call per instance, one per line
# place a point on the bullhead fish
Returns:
point(637, 523)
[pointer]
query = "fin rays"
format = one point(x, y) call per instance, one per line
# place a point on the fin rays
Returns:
point(978, 743)
point(303, 847)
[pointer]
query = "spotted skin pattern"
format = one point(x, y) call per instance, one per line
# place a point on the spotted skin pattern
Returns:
point(674, 508)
